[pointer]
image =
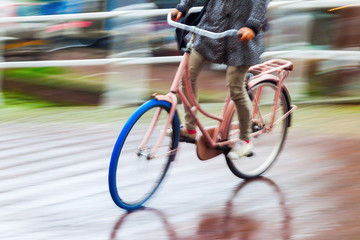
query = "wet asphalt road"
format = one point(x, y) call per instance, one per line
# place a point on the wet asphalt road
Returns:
point(53, 185)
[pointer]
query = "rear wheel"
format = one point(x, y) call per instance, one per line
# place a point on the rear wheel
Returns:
point(134, 175)
point(267, 140)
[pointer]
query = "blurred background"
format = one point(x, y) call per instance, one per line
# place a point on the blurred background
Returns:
point(69, 69)
point(118, 52)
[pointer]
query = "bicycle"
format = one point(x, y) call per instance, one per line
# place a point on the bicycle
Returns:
point(143, 151)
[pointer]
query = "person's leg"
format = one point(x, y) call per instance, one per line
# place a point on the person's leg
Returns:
point(236, 83)
point(196, 63)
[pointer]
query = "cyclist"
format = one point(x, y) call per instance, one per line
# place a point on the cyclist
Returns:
point(237, 53)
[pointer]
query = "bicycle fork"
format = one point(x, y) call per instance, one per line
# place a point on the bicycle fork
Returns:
point(169, 98)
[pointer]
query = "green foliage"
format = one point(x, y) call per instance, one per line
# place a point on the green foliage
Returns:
point(54, 77)
point(13, 99)
point(25, 84)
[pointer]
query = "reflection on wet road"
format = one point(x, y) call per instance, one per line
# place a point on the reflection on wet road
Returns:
point(228, 222)
point(53, 185)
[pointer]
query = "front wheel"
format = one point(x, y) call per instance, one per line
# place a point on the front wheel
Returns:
point(134, 174)
point(267, 138)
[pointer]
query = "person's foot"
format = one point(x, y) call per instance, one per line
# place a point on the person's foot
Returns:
point(186, 135)
point(241, 149)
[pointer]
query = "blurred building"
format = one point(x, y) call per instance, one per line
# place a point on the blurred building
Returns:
point(297, 28)
point(329, 31)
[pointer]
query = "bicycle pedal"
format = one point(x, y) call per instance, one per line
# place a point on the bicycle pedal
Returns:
point(187, 140)
point(250, 154)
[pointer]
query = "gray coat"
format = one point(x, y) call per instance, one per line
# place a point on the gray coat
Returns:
point(222, 15)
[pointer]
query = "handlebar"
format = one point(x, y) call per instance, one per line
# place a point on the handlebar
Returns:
point(199, 31)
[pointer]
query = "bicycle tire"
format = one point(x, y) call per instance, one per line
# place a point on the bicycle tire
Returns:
point(133, 184)
point(267, 146)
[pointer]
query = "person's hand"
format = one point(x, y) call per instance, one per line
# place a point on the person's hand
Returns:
point(175, 15)
point(245, 34)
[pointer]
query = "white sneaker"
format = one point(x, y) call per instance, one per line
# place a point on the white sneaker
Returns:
point(240, 150)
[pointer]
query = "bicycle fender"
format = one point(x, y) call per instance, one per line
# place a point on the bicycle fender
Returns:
point(275, 79)
point(255, 80)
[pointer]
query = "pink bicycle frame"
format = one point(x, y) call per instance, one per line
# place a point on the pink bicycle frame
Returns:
point(265, 70)
point(193, 106)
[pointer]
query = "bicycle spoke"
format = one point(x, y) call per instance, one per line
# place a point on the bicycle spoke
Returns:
point(267, 136)
point(135, 173)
